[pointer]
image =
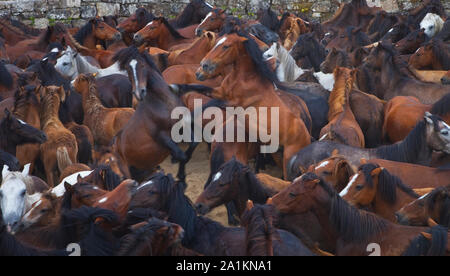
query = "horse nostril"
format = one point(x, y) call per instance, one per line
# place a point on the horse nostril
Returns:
point(137, 37)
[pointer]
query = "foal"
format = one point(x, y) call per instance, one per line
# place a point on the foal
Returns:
point(342, 125)
point(103, 122)
point(60, 139)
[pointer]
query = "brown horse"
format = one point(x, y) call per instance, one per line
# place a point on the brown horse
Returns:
point(349, 39)
point(213, 22)
point(435, 205)
point(194, 53)
point(96, 30)
point(160, 30)
point(411, 42)
point(185, 74)
point(117, 200)
point(397, 83)
point(335, 170)
point(290, 28)
point(434, 55)
point(250, 68)
point(134, 23)
point(39, 44)
point(104, 57)
point(378, 190)
point(350, 230)
point(403, 113)
point(146, 141)
point(342, 125)
point(264, 239)
point(435, 242)
point(103, 122)
point(12, 34)
point(61, 147)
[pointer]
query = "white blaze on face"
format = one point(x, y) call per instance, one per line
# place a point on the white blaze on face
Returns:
point(133, 64)
point(145, 184)
point(221, 41)
point(352, 180)
point(54, 50)
point(217, 176)
point(209, 5)
point(323, 164)
point(390, 30)
point(103, 200)
point(22, 122)
point(150, 23)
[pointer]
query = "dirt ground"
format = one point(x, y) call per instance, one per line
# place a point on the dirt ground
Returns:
point(197, 171)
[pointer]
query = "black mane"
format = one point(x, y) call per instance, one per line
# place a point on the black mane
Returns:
point(6, 78)
point(124, 56)
point(421, 246)
point(171, 29)
point(269, 19)
point(186, 17)
point(442, 52)
point(387, 183)
point(353, 225)
point(85, 31)
point(442, 107)
point(443, 193)
point(143, 16)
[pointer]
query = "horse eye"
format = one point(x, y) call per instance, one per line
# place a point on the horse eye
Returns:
point(226, 47)
point(444, 132)
point(65, 63)
point(23, 193)
point(44, 211)
point(359, 187)
point(327, 173)
point(292, 194)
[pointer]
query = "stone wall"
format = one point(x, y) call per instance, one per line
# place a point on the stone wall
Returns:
point(41, 13)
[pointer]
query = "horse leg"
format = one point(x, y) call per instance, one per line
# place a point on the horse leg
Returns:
point(233, 216)
point(175, 151)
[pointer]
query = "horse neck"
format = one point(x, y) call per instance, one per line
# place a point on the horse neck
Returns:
point(90, 40)
point(83, 66)
point(260, 239)
point(166, 39)
point(243, 69)
point(390, 76)
point(91, 102)
point(339, 96)
point(49, 112)
point(161, 91)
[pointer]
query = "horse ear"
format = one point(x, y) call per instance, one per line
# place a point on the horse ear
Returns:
point(62, 94)
point(376, 172)
point(428, 118)
point(335, 152)
point(432, 223)
point(67, 186)
point(26, 169)
point(5, 171)
point(249, 205)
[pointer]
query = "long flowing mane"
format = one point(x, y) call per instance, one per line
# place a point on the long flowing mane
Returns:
point(23, 99)
point(143, 16)
point(387, 183)
point(339, 96)
point(261, 233)
point(58, 28)
point(85, 31)
point(124, 56)
point(351, 224)
point(421, 246)
point(171, 29)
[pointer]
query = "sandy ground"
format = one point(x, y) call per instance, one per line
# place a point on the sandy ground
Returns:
point(197, 171)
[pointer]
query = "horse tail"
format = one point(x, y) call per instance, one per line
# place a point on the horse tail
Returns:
point(62, 156)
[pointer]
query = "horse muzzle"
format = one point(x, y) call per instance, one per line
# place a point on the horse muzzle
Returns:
point(118, 36)
point(138, 39)
point(140, 94)
point(198, 32)
point(202, 209)
point(401, 219)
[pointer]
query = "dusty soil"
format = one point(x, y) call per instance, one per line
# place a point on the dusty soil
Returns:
point(197, 171)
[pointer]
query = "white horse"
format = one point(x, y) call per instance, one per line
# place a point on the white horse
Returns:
point(432, 24)
point(16, 196)
point(287, 69)
point(71, 64)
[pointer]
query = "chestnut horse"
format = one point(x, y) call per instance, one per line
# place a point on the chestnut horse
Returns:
point(411, 42)
point(194, 53)
point(374, 188)
point(342, 125)
point(162, 32)
point(349, 229)
point(434, 55)
point(134, 23)
point(434, 205)
point(290, 28)
point(94, 30)
point(250, 68)
point(103, 122)
point(60, 139)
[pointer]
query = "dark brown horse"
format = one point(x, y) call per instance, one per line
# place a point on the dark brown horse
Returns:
point(396, 83)
point(96, 30)
point(350, 230)
point(134, 23)
point(433, 56)
point(434, 205)
point(411, 42)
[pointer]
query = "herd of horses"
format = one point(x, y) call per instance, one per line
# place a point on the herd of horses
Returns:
point(364, 115)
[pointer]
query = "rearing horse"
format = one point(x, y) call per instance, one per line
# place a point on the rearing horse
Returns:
point(252, 83)
point(145, 141)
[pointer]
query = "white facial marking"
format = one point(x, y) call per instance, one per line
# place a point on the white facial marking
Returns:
point(209, 5)
point(323, 137)
point(133, 64)
point(221, 41)
point(22, 122)
point(424, 196)
point(45, 59)
point(323, 164)
point(352, 180)
point(145, 184)
point(150, 23)
point(391, 30)
point(217, 176)
point(103, 200)
point(54, 50)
